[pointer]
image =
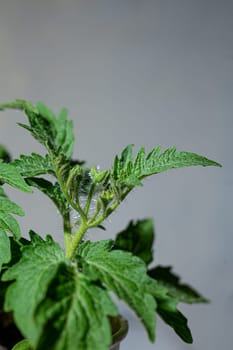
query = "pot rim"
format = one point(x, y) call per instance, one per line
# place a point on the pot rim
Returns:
point(121, 332)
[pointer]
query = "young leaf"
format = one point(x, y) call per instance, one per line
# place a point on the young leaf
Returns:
point(10, 175)
point(56, 134)
point(31, 275)
point(137, 238)
point(5, 250)
point(41, 129)
point(73, 314)
point(22, 345)
point(46, 114)
point(122, 273)
point(64, 134)
point(19, 105)
point(129, 172)
point(183, 292)
point(33, 165)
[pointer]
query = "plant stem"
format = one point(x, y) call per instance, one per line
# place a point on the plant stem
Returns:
point(72, 242)
point(109, 211)
point(89, 198)
point(67, 230)
point(75, 240)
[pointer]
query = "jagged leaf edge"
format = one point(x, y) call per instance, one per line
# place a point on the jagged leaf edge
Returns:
point(34, 262)
point(141, 299)
point(55, 337)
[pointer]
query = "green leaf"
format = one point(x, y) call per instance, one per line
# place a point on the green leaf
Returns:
point(47, 114)
point(53, 191)
point(178, 322)
point(64, 134)
point(74, 313)
point(7, 221)
point(15, 255)
point(31, 277)
point(183, 292)
point(8, 206)
point(19, 105)
point(122, 273)
point(4, 154)
point(138, 239)
point(42, 129)
point(33, 165)
point(5, 250)
point(167, 309)
point(129, 172)
point(56, 134)
point(10, 175)
point(22, 345)
point(59, 129)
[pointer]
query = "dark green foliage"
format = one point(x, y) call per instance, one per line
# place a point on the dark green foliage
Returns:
point(4, 154)
point(73, 314)
point(122, 273)
point(178, 322)
point(138, 239)
point(183, 292)
point(61, 298)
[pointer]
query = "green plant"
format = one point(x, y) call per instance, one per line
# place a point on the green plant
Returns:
point(59, 297)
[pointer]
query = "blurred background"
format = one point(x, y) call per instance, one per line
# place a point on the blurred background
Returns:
point(145, 72)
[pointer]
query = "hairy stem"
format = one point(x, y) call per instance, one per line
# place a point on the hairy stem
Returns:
point(75, 240)
point(89, 198)
point(67, 230)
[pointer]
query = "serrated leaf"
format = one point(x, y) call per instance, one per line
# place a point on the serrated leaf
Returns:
point(10, 175)
point(22, 345)
point(138, 239)
point(125, 170)
point(15, 255)
point(33, 165)
point(122, 273)
point(167, 309)
point(8, 206)
point(41, 125)
point(9, 223)
point(183, 292)
point(19, 105)
point(74, 313)
point(31, 275)
point(46, 113)
point(56, 134)
point(65, 134)
point(178, 322)
point(5, 250)
point(53, 191)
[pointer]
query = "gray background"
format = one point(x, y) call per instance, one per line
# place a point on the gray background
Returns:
point(148, 73)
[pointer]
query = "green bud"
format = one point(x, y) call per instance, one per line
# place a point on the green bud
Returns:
point(101, 176)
